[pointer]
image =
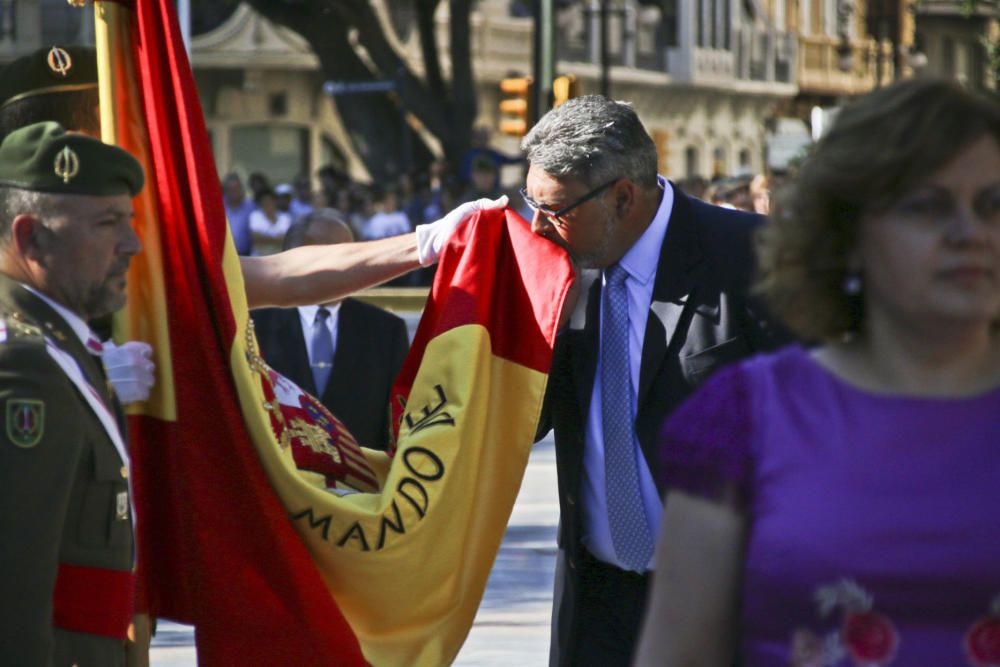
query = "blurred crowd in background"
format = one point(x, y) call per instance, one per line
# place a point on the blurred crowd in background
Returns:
point(260, 211)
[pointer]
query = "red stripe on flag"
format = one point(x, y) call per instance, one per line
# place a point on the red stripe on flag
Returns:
point(216, 545)
point(525, 341)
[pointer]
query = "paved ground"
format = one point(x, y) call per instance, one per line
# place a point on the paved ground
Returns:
point(512, 626)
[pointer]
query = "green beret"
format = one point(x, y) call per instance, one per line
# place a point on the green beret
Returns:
point(44, 157)
point(49, 70)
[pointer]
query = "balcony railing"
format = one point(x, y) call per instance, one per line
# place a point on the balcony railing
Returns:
point(757, 55)
point(825, 68)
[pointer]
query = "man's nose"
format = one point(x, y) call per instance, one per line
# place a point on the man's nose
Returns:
point(540, 223)
point(130, 243)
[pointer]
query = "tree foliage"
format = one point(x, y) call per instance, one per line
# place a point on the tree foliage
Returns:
point(352, 45)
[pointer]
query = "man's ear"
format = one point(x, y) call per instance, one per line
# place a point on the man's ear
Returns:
point(624, 196)
point(30, 236)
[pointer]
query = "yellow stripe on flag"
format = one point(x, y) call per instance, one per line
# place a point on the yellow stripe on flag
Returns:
point(408, 566)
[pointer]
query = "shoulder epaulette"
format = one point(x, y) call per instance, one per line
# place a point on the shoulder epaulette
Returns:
point(21, 330)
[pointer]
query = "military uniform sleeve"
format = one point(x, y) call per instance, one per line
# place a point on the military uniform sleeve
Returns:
point(39, 453)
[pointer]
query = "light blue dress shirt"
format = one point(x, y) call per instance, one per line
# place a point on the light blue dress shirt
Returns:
point(640, 262)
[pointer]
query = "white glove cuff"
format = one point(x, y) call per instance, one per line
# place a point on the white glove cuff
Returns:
point(426, 252)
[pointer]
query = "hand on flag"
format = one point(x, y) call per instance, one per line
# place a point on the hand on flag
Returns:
point(433, 236)
point(130, 369)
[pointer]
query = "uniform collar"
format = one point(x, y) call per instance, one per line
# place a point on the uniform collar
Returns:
point(75, 322)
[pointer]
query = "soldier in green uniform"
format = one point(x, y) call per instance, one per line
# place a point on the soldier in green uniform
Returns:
point(67, 554)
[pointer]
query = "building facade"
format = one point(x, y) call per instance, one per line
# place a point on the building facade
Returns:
point(715, 81)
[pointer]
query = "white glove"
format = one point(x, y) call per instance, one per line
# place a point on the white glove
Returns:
point(434, 235)
point(130, 369)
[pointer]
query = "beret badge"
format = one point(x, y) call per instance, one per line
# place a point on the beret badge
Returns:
point(59, 61)
point(67, 164)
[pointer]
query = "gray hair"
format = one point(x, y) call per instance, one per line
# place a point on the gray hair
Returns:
point(595, 140)
point(15, 201)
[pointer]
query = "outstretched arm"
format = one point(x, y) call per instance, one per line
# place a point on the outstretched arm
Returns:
point(320, 274)
point(323, 273)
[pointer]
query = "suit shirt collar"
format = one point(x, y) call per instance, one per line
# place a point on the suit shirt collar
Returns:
point(308, 314)
point(641, 259)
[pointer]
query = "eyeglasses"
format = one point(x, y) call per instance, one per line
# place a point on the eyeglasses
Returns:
point(557, 216)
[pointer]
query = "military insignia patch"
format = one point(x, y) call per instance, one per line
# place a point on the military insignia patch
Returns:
point(25, 421)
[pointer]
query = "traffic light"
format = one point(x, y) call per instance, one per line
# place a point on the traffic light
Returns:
point(515, 107)
point(564, 88)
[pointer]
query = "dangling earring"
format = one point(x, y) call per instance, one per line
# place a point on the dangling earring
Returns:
point(852, 284)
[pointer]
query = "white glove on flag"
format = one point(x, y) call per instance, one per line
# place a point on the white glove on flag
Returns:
point(130, 369)
point(433, 236)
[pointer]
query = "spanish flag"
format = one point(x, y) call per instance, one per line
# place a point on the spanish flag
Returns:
point(260, 520)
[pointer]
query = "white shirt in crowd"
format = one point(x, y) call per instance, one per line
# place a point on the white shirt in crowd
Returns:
point(268, 235)
point(385, 224)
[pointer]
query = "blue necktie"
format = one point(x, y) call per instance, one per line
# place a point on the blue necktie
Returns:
point(626, 515)
point(322, 350)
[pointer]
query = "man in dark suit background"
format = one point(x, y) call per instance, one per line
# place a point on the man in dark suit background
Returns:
point(347, 353)
point(663, 285)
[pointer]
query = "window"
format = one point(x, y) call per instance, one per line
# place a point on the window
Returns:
point(691, 162)
point(830, 17)
point(279, 151)
point(719, 166)
point(745, 163)
point(779, 15)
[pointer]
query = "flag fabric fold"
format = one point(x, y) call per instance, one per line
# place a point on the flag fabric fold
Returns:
point(216, 548)
point(270, 566)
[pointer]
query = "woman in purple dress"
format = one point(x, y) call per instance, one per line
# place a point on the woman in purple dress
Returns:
point(841, 505)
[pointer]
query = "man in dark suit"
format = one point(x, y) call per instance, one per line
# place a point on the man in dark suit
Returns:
point(66, 240)
point(349, 357)
point(663, 285)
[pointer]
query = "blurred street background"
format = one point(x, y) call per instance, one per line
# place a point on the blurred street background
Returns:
point(393, 111)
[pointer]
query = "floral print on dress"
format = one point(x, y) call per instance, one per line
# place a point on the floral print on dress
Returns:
point(866, 637)
point(982, 641)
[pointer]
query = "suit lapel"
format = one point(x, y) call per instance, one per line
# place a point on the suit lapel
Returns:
point(300, 371)
point(673, 300)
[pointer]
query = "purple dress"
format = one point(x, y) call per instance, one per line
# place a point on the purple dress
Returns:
point(874, 519)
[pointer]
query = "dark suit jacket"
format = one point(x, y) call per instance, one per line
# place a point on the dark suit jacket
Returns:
point(59, 491)
point(700, 318)
point(371, 347)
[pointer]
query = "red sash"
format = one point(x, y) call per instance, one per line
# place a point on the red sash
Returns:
point(94, 600)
